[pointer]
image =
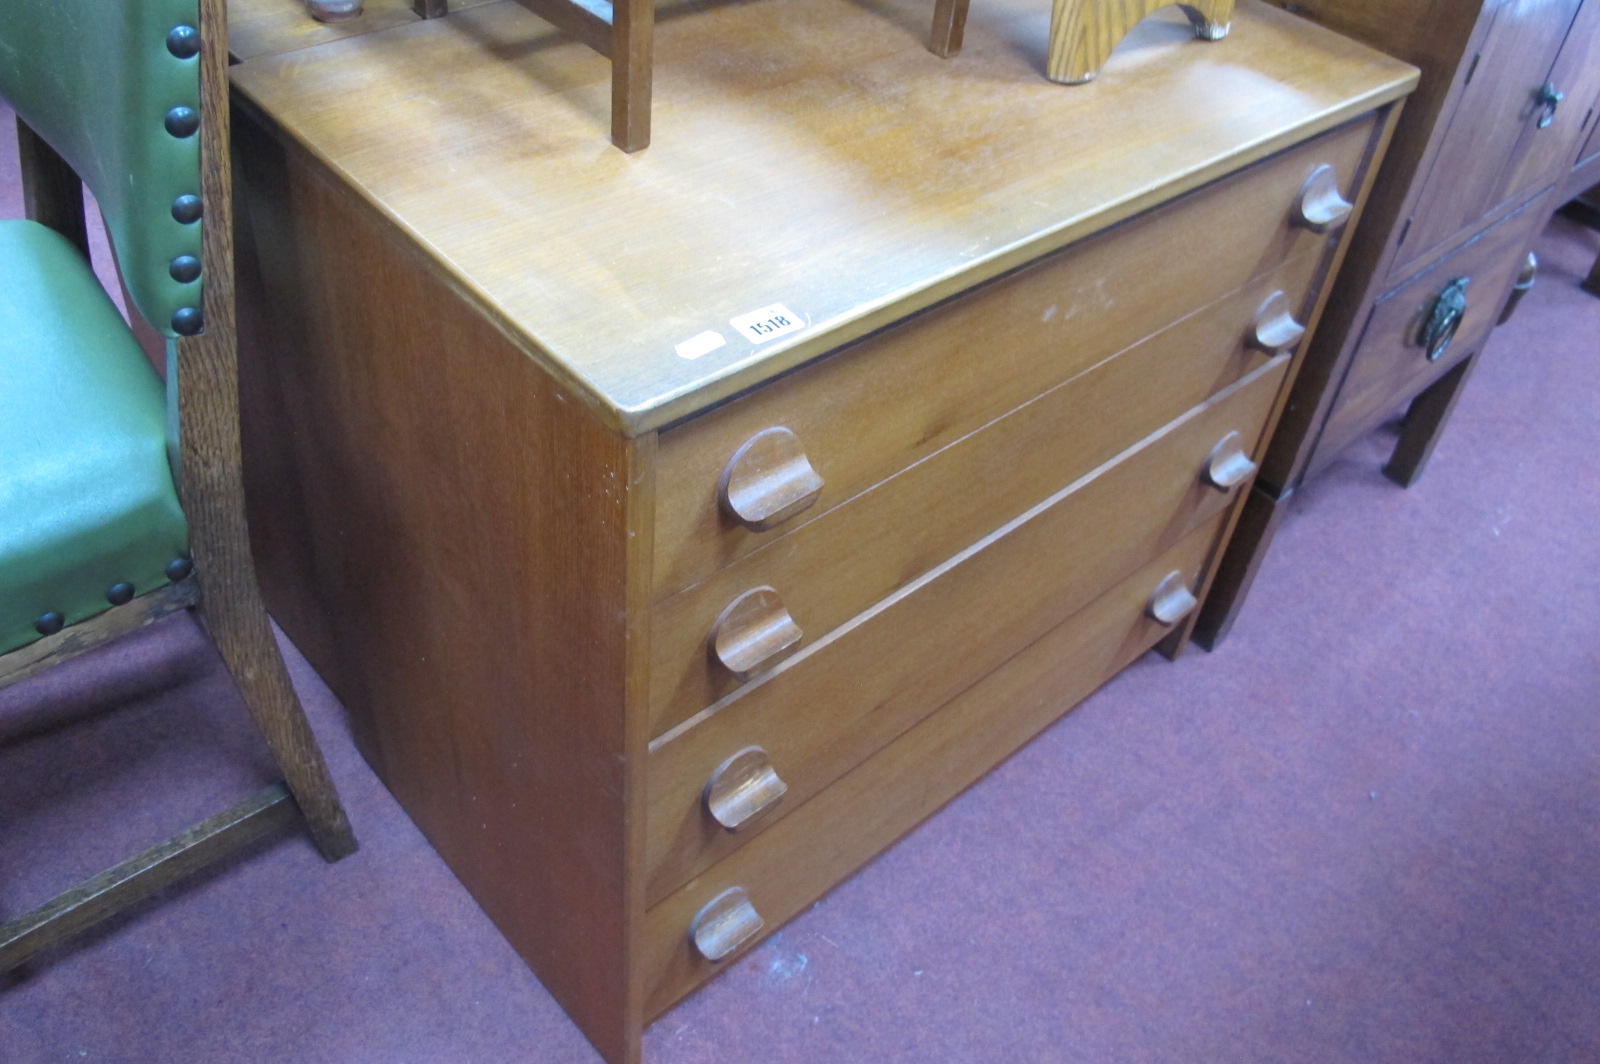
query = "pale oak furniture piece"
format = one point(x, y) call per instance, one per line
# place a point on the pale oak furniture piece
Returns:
point(1083, 33)
point(1508, 94)
point(682, 528)
point(94, 542)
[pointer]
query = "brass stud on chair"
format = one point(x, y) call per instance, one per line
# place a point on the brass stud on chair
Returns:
point(184, 42)
point(187, 321)
point(186, 209)
point(184, 268)
point(50, 623)
point(120, 594)
point(179, 569)
point(183, 122)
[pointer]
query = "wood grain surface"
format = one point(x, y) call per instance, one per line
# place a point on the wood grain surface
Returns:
point(806, 153)
point(787, 866)
point(835, 567)
point(456, 544)
point(868, 413)
point(827, 708)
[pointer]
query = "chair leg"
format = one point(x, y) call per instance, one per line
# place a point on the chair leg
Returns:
point(430, 8)
point(949, 27)
point(230, 605)
point(231, 608)
point(137, 878)
point(1425, 422)
point(1591, 284)
point(632, 53)
point(52, 194)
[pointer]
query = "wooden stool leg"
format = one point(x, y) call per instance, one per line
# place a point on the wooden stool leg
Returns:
point(334, 10)
point(949, 26)
point(1424, 422)
point(52, 194)
point(1084, 32)
point(1258, 523)
point(632, 47)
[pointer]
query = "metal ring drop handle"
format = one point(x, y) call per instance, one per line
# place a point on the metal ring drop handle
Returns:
point(1546, 100)
point(1444, 318)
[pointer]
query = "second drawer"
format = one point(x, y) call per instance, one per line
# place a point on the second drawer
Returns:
point(823, 711)
point(707, 640)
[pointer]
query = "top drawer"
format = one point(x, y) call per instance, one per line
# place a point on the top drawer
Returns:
point(861, 415)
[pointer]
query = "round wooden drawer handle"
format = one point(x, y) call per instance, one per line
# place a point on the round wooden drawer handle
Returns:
point(1172, 600)
point(1228, 465)
point(727, 922)
point(753, 633)
point(1274, 329)
point(768, 480)
point(1320, 208)
point(743, 788)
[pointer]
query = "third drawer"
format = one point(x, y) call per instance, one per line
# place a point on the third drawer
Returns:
point(824, 710)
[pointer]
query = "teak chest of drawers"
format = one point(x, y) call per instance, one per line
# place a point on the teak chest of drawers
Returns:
point(682, 528)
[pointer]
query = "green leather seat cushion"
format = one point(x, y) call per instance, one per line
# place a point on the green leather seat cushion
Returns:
point(86, 493)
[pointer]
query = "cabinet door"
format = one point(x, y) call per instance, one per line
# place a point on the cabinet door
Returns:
point(1467, 178)
point(1545, 152)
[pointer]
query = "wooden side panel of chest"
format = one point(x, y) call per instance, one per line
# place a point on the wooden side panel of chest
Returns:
point(457, 546)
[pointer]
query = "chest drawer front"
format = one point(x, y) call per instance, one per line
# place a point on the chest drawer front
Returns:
point(788, 866)
point(1392, 362)
point(822, 712)
point(867, 412)
point(838, 565)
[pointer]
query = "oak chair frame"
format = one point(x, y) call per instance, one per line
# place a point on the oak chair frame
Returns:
point(222, 588)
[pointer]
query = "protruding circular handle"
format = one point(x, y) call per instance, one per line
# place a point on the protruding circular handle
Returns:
point(1320, 208)
point(754, 632)
point(743, 788)
point(768, 480)
point(1274, 329)
point(1545, 102)
point(1444, 318)
point(1228, 465)
point(1172, 600)
point(727, 922)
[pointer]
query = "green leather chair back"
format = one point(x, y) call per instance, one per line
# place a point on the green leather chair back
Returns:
point(114, 87)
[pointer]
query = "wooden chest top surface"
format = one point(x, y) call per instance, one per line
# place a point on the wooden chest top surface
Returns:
point(810, 154)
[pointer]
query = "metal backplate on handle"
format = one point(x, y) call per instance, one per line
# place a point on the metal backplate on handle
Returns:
point(1444, 318)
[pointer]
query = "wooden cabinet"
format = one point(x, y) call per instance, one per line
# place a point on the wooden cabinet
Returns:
point(1507, 99)
point(681, 528)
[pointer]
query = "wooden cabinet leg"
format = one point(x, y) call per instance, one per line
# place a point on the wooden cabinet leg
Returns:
point(1424, 422)
point(1258, 522)
point(949, 26)
point(632, 48)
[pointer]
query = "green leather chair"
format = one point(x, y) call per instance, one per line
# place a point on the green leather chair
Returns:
point(120, 496)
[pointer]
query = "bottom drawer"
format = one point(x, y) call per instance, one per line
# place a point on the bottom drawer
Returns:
point(820, 843)
point(1393, 362)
